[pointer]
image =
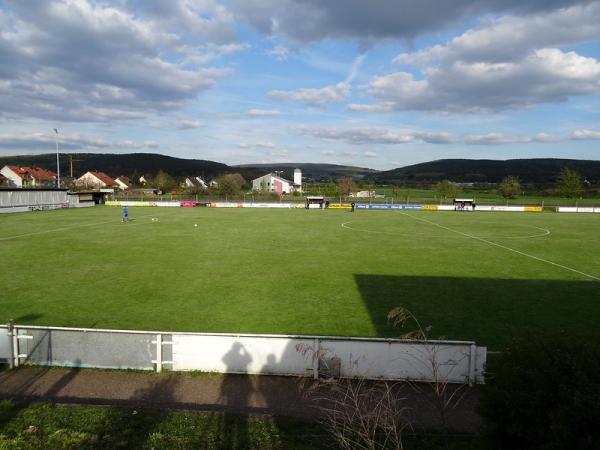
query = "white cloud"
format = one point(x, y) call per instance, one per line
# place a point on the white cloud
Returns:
point(359, 135)
point(197, 55)
point(385, 136)
point(280, 153)
point(186, 124)
point(279, 52)
point(264, 144)
point(263, 112)
point(546, 138)
point(313, 20)
point(544, 75)
point(78, 60)
point(316, 97)
point(340, 153)
point(586, 134)
point(512, 63)
point(45, 142)
point(496, 139)
point(370, 154)
point(512, 38)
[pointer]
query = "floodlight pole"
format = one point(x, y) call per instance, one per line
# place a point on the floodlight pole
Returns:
point(57, 160)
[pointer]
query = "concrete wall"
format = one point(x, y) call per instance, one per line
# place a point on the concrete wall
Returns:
point(371, 358)
point(4, 345)
point(301, 356)
point(32, 198)
point(89, 349)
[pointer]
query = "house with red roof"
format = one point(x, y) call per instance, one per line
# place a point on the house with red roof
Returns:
point(96, 180)
point(43, 178)
point(21, 177)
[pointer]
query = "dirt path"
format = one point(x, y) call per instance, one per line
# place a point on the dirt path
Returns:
point(235, 394)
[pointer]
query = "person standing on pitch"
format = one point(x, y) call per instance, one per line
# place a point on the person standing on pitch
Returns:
point(125, 214)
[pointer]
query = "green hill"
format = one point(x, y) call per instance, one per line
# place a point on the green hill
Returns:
point(132, 164)
point(538, 171)
point(136, 164)
point(529, 171)
point(310, 171)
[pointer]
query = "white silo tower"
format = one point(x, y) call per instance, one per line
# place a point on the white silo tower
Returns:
point(298, 179)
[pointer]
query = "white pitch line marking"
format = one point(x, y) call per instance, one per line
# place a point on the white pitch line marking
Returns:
point(545, 232)
point(593, 277)
point(61, 229)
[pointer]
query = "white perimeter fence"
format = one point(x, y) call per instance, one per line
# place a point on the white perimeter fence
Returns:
point(19, 200)
point(578, 209)
point(313, 356)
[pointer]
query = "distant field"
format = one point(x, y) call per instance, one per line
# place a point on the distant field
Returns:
point(481, 276)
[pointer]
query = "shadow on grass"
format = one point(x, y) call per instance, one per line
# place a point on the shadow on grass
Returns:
point(24, 319)
point(489, 311)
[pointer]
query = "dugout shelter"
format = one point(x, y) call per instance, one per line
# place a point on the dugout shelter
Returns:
point(464, 204)
point(315, 202)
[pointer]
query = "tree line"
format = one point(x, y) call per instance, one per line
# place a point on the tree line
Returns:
point(570, 184)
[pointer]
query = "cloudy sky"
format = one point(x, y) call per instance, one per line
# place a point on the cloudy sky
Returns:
point(373, 83)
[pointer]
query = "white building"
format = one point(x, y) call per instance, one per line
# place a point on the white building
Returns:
point(195, 182)
point(123, 182)
point(273, 183)
point(364, 194)
point(298, 180)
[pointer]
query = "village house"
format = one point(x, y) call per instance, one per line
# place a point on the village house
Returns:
point(21, 177)
point(123, 182)
point(96, 180)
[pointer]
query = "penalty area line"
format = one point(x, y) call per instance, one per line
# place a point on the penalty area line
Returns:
point(537, 258)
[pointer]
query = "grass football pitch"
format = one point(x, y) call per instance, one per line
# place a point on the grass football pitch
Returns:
point(476, 276)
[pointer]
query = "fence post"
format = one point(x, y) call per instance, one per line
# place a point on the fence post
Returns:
point(316, 358)
point(15, 346)
point(159, 353)
point(9, 332)
point(472, 356)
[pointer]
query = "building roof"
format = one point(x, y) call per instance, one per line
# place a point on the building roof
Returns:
point(277, 177)
point(37, 173)
point(125, 180)
point(21, 172)
point(42, 174)
point(196, 181)
point(104, 178)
